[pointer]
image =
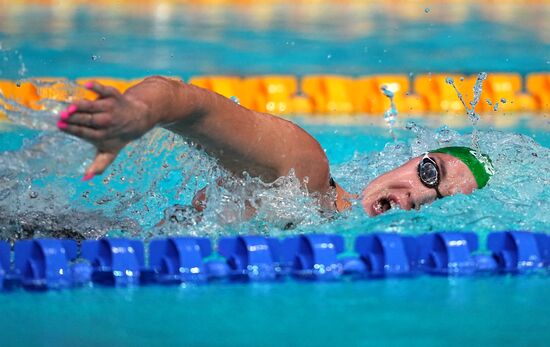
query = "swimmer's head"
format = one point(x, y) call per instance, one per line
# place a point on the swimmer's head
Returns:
point(435, 174)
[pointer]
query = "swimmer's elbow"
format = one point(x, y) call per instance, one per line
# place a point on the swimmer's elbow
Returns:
point(312, 168)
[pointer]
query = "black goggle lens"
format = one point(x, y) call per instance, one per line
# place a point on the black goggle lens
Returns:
point(428, 172)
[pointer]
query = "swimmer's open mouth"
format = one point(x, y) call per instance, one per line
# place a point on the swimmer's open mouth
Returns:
point(384, 204)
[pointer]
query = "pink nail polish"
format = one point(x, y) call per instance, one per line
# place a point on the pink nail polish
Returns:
point(64, 116)
point(71, 109)
point(62, 125)
point(89, 85)
point(88, 176)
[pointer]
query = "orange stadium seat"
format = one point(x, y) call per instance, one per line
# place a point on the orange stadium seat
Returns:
point(53, 88)
point(506, 90)
point(440, 96)
point(272, 93)
point(369, 97)
point(227, 86)
point(329, 94)
point(24, 93)
point(538, 85)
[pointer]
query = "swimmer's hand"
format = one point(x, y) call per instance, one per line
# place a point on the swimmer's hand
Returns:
point(110, 122)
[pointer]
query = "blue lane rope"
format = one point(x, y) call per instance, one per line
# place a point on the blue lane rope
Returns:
point(42, 264)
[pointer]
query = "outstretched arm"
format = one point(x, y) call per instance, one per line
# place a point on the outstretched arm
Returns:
point(243, 140)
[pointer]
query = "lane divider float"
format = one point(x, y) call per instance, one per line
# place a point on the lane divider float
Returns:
point(43, 264)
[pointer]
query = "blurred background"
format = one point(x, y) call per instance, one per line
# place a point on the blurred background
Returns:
point(132, 39)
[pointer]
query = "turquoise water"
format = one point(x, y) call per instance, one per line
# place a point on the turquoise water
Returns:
point(426, 311)
point(41, 193)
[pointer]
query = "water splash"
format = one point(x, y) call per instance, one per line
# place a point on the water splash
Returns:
point(11, 64)
point(390, 115)
point(516, 197)
point(470, 111)
point(148, 190)
point(44, 114)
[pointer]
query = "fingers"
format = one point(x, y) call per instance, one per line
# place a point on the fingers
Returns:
point(90, 120)
point(83, 132)
point(101, 162)
point(89, 106)
point(102, 91)
point(81, 112)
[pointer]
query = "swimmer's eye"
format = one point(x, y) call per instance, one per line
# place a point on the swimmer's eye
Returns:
point(428, 172)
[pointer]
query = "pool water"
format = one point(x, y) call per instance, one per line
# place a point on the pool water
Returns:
point(41, 193)
point(425, 311)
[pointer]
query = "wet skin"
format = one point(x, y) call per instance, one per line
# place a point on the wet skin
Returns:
point(242, 140)
point(402, 187)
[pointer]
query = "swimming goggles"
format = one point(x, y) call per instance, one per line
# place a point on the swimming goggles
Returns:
point(429, 173)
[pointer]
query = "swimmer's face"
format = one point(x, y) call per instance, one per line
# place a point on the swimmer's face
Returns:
point(402, 187)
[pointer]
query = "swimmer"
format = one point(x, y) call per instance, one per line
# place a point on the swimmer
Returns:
point(260, 144)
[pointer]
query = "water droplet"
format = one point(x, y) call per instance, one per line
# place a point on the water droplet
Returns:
point(462, 79)
point(390, 115)
point(449, 80)
point(18, 84)
point(329, 56)
point(503, 100)
point(95, 57)
point(103, 38)
point(386, 91)
point(495, 107)
point(33, 194)
point(427, 10)
point(235, 100)
point(411, 126)
point(488, 102)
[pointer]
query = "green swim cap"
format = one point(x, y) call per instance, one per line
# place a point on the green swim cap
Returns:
point(479, 164)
